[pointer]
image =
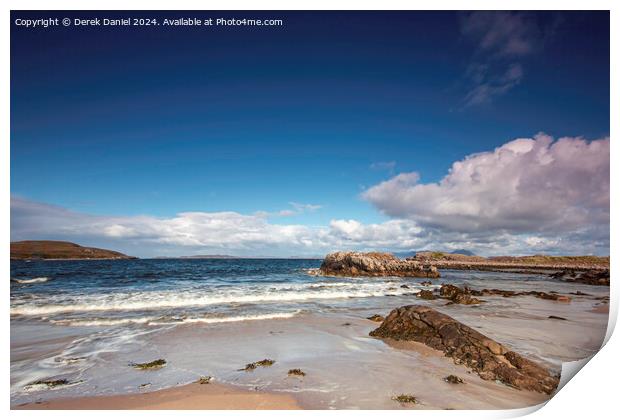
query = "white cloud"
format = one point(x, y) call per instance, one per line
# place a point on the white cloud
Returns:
point(203, 232)
point(530, 185)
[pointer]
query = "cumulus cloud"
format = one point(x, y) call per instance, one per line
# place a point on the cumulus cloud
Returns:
point(501, 39)
point(538, 189)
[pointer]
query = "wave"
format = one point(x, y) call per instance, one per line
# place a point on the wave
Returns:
point(33, 280)
point(171, 299)
point(171, 321)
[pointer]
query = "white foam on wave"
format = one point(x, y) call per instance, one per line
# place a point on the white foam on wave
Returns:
point(33, 280)
point(160, 321)
point(171, 299)
point(101, 322)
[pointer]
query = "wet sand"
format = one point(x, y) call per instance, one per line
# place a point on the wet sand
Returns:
point(187, 397)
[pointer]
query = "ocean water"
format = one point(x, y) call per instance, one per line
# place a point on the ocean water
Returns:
point(86, 321)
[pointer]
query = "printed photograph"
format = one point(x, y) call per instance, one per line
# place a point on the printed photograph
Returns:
point(395, 210)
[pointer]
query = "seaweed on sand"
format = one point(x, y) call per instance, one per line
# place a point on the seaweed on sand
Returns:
point(453, 379)
point(405, 399)
point(205, 380)
point(263, 363)
point(51, 383)
point(296, 372)
point(155, 364)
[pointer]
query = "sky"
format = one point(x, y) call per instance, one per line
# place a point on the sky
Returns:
point(396, 131)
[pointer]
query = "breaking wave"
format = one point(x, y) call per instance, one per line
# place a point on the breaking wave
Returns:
point(153, 300)
point(33, 280)
point(171, 321)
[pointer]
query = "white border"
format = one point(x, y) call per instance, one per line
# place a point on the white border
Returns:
point(592, 394)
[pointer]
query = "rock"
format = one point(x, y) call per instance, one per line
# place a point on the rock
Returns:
point(457, 295)
point(404, 286)
point(426, 283)
point(426, 294)
point(374, 264)
point(594, 277)
point(376, 318)
point(453, 379)
point(205, 380)
point(464, 345)
point(557, 317)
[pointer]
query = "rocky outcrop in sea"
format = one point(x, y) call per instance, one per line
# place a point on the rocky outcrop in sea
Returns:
point(374, 264)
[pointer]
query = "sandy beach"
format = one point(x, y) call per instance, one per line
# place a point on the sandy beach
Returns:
point(186, 397)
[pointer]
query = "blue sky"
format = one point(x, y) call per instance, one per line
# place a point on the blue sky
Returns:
point(127, 122)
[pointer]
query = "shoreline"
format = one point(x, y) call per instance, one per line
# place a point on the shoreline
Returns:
point(192, 396)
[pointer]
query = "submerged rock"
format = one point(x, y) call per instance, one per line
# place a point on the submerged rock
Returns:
point(376, 318)
point(557, 317)
point(205, 380)
point(488, 358)
point(374, 264)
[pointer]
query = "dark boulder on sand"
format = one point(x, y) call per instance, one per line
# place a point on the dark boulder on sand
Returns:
point(488, 358)
point(374, 264)
point(426, 294)
point(458, 295)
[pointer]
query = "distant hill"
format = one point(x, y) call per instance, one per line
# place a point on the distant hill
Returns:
point(404, 254)
point(463, 252)
point(233, 257)
point(211, 256)
point(48, 250)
